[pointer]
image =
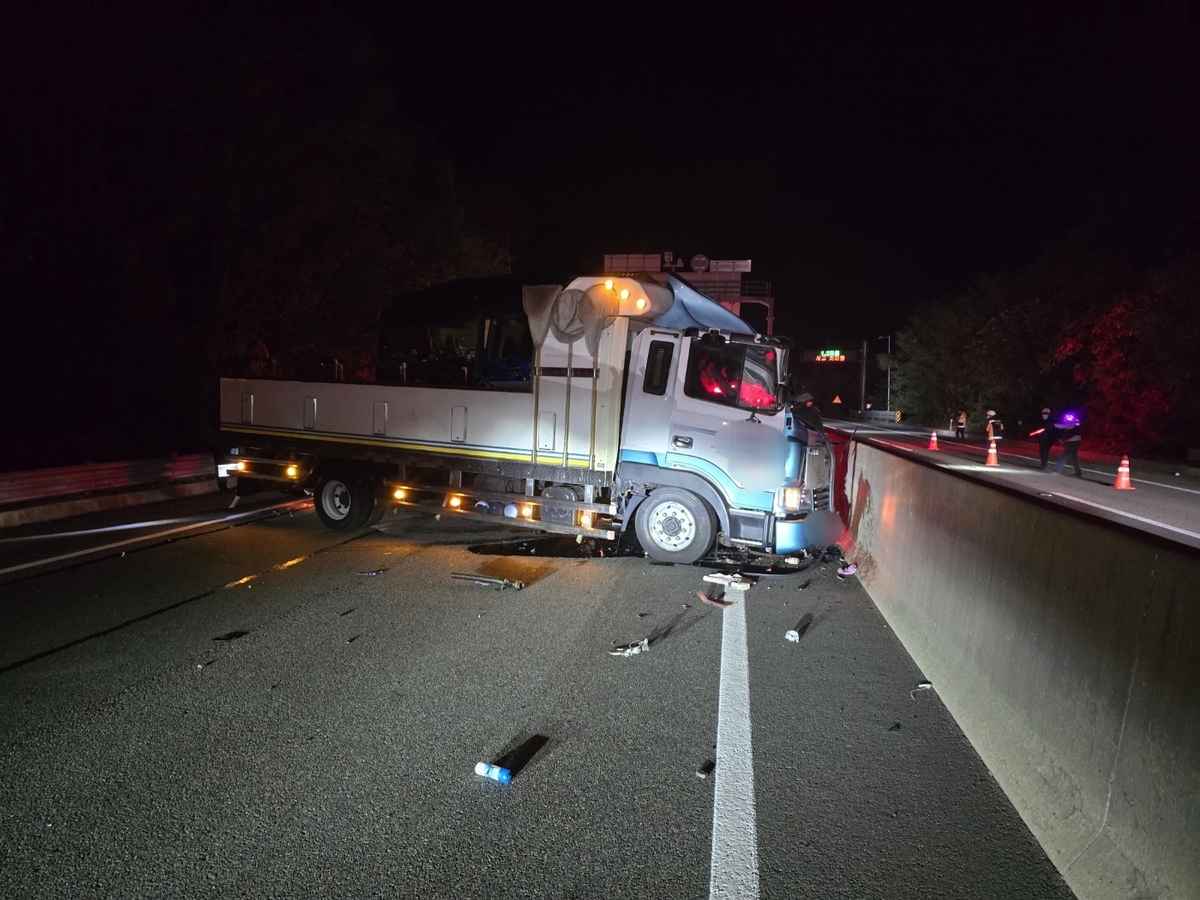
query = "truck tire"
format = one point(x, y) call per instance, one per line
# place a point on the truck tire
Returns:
point(343, 499)
point(380, 508)
point(674, 526)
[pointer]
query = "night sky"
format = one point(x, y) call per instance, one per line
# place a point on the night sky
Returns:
point(864, 161)
point(865, 157)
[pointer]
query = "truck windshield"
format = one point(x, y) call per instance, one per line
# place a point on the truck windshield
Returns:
point(741, 375)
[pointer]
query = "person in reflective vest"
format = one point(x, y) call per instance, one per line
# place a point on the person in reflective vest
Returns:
point(995, 428)
point(960, 425)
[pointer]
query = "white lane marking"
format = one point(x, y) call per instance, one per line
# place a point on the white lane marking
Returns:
point(149, 537)
point(734, 871)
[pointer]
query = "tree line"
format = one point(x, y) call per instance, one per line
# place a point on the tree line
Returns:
point(1104, 324)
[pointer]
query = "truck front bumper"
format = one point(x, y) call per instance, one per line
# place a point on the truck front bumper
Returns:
point(820, 528)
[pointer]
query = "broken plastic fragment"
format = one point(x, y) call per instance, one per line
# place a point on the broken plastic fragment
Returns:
point(792, 635)
point(707, 769)
point(804, 587)
point(737, 581)
point(630, 649)
point(848, 570)
point(792, 561)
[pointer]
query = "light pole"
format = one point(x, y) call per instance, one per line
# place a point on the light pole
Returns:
point(888, 338)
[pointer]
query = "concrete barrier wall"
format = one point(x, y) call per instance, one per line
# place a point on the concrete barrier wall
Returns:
point(1067, 649)
point(47, 494)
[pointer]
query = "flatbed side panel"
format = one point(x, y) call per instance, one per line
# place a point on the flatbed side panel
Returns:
point(485, 424)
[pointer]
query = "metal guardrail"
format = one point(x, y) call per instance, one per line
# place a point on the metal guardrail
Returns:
point(46, 484)
point(877, 415)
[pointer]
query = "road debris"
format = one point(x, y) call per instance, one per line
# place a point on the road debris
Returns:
point(717, 599)
point(895, 726)
point(231, 636)
point(499, 583)
point(376, 572)
point(495, 773)
point(921, 686)
point(847, 570)
point(630, 649)
point(736, 581)
point(801, 627)
point(805, 586)
point(707, 769)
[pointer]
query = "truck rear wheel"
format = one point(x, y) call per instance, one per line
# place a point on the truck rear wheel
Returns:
point(343, 500)
point(674, 526)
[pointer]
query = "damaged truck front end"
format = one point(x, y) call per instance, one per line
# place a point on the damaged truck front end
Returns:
point(713, 452)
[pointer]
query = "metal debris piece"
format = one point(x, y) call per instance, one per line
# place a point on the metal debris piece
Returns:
point(500, 583)
point(630, 649)
point(715, 599)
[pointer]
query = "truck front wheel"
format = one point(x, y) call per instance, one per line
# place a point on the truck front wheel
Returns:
point(343, 500)
point(674, 526)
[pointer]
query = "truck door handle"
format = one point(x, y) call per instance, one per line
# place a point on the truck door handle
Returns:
point(681, 441)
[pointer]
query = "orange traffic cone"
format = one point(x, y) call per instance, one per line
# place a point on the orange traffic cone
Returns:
point(932, 441)
point(1123, 483)
point(993, 457)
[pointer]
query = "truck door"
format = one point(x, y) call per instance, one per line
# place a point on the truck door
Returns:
point(650, 398)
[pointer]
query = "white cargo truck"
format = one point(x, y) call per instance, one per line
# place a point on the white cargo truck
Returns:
point(643, 406)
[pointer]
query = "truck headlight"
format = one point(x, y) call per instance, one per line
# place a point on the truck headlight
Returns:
point(794, 499)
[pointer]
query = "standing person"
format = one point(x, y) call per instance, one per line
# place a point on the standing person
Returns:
point(960, 425)
point(1047, 436)
point(1071, 431)
point(995, 428)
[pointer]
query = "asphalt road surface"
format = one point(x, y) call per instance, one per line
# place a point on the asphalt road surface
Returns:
point(261, 708)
